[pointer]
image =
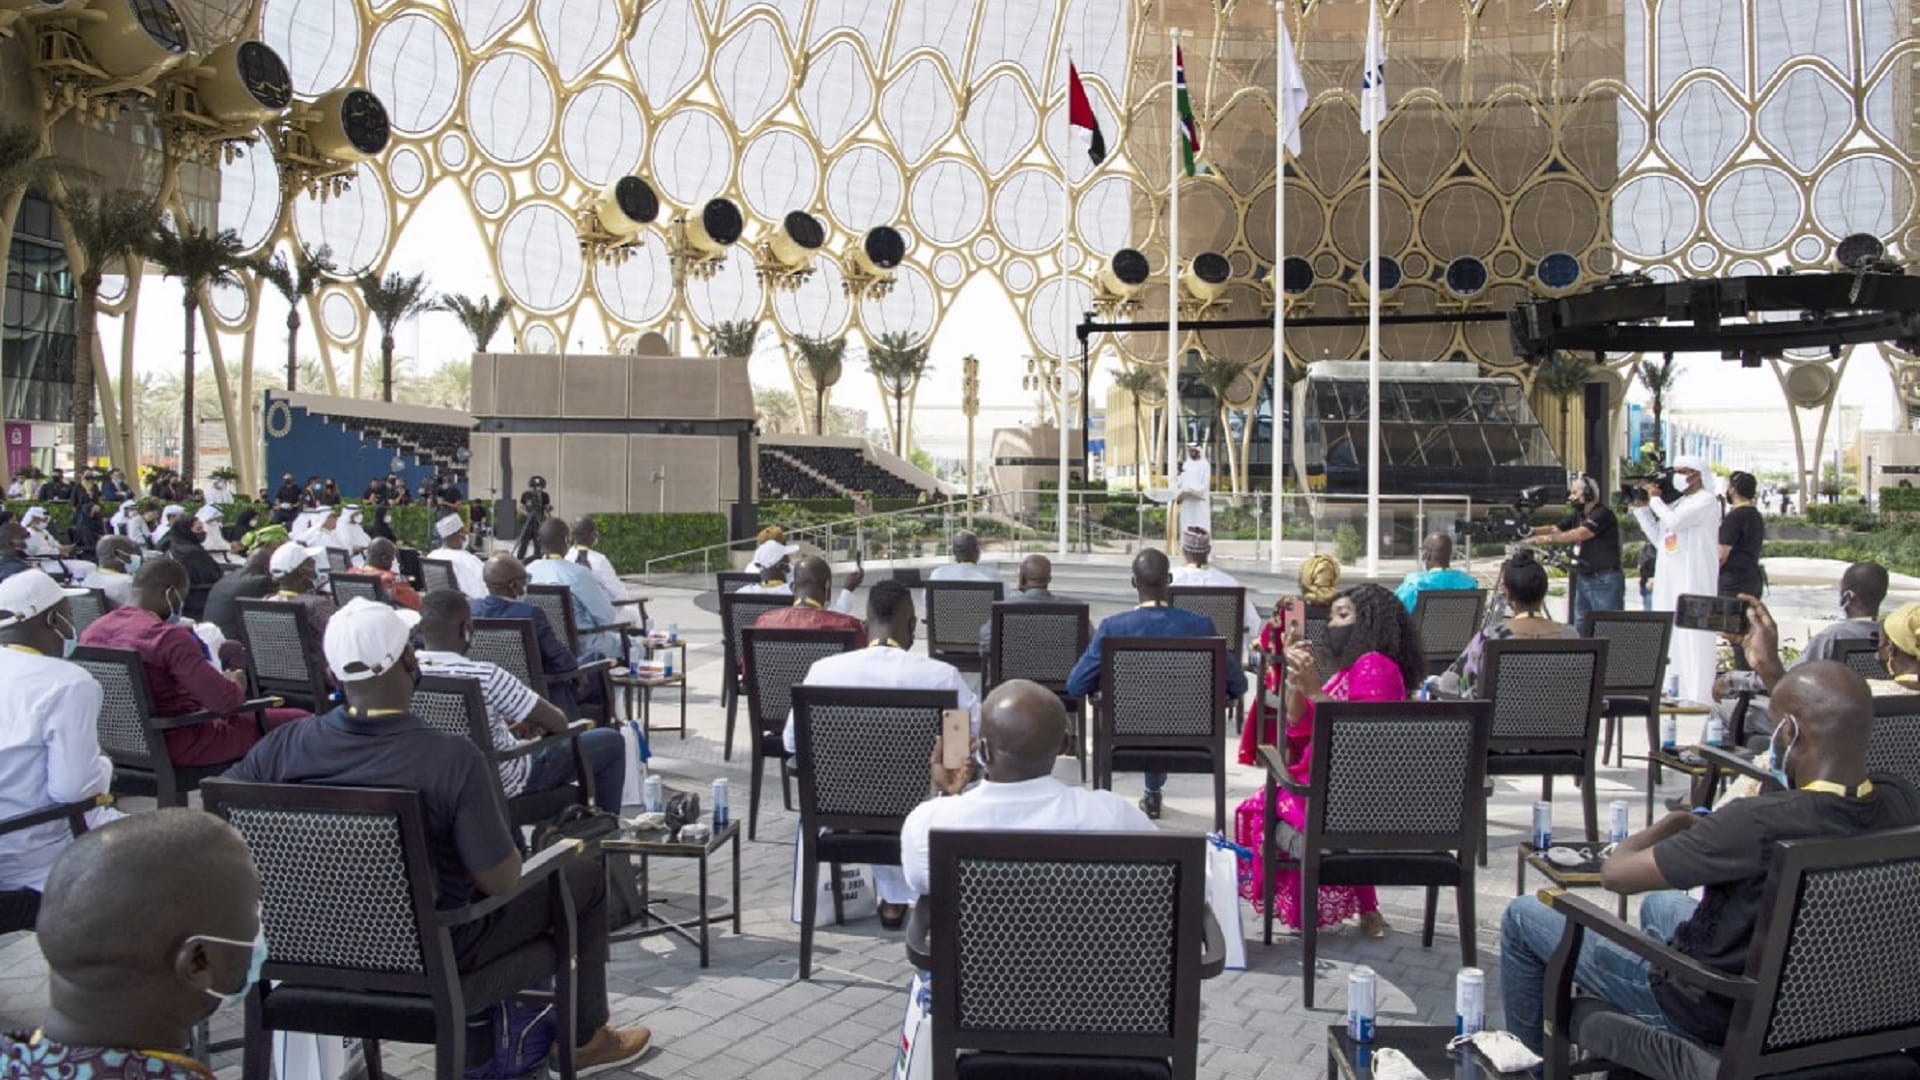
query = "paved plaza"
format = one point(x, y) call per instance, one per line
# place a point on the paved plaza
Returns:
point(748, 1015)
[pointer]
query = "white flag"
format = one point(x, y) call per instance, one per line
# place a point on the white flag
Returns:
point(1293, 93)
point(1373, 83)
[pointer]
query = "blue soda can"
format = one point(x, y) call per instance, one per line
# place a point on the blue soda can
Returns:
point(1542, 825)
point(1469, 1001)
point(1618, 817)
point(722, 813)
point(1360, 1004)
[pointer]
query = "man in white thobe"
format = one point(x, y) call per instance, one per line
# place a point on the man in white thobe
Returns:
point(1189, 505)
point(585, 535)
point(1687, 533)
point(888, 664)
point(468, 570)
point(1197, 547)
point(966, 562)
point(1021, 728)
point(212, 517)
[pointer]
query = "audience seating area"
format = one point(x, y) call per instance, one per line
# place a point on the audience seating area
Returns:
point(798, 471)
point(434, 444)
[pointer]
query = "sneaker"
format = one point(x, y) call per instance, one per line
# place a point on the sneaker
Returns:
point(893, 916)
point(611, 1048)
point(1150, 805)
point(1372, 925)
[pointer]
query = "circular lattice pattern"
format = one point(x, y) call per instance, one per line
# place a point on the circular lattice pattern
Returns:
point(864, 189)
point(636, 289)
point(548, 177)
point(779, 173)
point(407, 172)
point(949, 200)
point(353, 222)
point(453, 150)
point(510, 107)
point(692, 156)
point(818, 307)
point(909, 308)
point(1029, 211)
point(602, 134)
point(250, 196)
point(338, 315)
point(949, 269)
point(1019, 275)
point(490, 191)
point(415, 71)
point(539, 256)
point(319, 40)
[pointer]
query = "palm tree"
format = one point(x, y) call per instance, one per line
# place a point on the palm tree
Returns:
point(1218, 374)
point(391, 301)
point(822, 358)
point(1139, 381)
point(898, 360)
point(735, 337)
point(105, 228)
point(1658, 379)
point(296, 281)
point(1563, 375)
point(200, 259)
point(24, 167)
point(779, 411)
point(480, 315)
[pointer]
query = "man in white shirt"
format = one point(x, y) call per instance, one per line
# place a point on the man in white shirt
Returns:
point(1189, 499)
point(592, 607)
point(41, 544)
point(1687, 532)
point(49, 744)
point(1197, 546)
point(215, 542)
point(119, 557)
point(888, 664)
point(467, 569)
point(966, 562)
point(770, 562)
point(585, 535)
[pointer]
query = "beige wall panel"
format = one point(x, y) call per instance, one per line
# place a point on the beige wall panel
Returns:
point(533, 455)
point(527, 386)
point(694, 471)
point(594, 385)
point(481, 396)
point(483, 468)
point(592, 478)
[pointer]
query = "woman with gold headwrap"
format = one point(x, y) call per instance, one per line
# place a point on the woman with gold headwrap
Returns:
point(1900, 650)
point(1319, 582)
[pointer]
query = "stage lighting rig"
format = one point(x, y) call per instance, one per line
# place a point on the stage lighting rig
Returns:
point(92, 57)
point(1203, 284)
point(215, 106)
point(700, 242)
point(610, 223)
point(1118, 285)
point(867, 267)
point(784, 260)
point(318, 143)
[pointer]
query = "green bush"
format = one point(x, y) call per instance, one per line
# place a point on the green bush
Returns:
point(1841, 516)
point(1347, 546)
point(413, 524)
point(629, 540)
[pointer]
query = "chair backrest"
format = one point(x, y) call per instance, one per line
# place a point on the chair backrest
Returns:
point(727, 581)
point(1398, 775)
point(1835, 954)
point(1067, 943)
point(438, 574)
point(409, 564)
point(956, 610)
point(1894, 746)
point(1446, 620)
point(125, 705)
point(1037, 641)
point(737, 612)
point(338, 559)
point(557, 602)
point(511, 644)
point(281, 645)
point(1862, 657)
point(1226, 605)
point(346, 883)
point(1164, 691)
point(1318, 616)
point(1546, 693)
point(347, 586)
point(1636, 649)
point(454, 706)
point(863, 753)
point(777, 659)
point(85, 608)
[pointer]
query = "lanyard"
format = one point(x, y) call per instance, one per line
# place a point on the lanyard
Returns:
point(1828, 787)
point(809, 602)
point(1152, 603)
point(886, 643)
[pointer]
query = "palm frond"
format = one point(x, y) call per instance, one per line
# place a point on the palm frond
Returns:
point(822, 358)
point(899, 360)
point(481, 316)
point(735, 337)
point(1564, 374)
point(198, 258)
point(394, 299)
point(112, 226)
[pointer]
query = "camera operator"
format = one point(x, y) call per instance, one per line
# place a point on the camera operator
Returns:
point(1742, 531)
point(1686, 530)
point(1590, 526)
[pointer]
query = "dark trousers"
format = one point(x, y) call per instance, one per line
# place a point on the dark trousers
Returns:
point(527, 919)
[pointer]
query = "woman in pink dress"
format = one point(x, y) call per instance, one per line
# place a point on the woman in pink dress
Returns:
point(1319, 583)
point(1376, 655)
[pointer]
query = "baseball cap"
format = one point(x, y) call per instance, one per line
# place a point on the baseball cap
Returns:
point(771, 552)
point(448, 525)
point(364, 639)
point(289, 557)
point(28, 593)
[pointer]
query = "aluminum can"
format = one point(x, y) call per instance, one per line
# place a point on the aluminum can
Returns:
point(1673, 684)
point(673, 632)
point(1360, 1004)
point(1716, 730)
point(722, 812)
point(1669, 731)
point(651, 796)
point(1542, 825)
point(1469, 1001)
point(1619, 814)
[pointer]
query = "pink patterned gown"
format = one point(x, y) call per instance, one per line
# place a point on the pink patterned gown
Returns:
point(1373, 677)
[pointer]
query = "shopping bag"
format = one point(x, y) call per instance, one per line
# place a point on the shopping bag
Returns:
point(300, 1055)
point(857, 898)
point(1223, 900)
point(636, 764)
point(914, 1059)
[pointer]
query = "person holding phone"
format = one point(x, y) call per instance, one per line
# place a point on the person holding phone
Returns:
point(1319, 583)
point(1686, 531)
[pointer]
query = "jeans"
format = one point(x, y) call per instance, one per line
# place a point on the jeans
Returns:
point(1604, 591)
point(1156, 781)
point(606, 754)
point(1530, 932)
point(1646, 595)
point(526, 919)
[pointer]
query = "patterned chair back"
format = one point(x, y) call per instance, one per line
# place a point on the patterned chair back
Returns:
point(408, 561)
point(1546, 694)
point(1636, 649)
point(347, 587)
point(1226, 605)
point(1164, 691)
point(1399, 775)
point(510, 644)
point(739, 611)
point(557, 602)
point(281, 645)
point(1318, 616)
point(1862, 657)
point(1038, 641)
point(438, 574)
point(84, 609)
point(454, 706)
point(1838, 953)
point(124, 707)
point(777, 660)
point(1894, 746)
point(1446, 619)
point(956, 610)
point(338, 560)
point(727, 581)
point(345, 880)
point(1082, 943)
point(863, 754)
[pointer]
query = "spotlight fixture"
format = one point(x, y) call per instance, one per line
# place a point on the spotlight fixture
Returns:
point(319, 142)
point(714, 229)
point(785, 258)
point(128, 38)
point(1859, 250)
point(610, 224)
point(215, 106)
point(1118, 284)
point(1204, 282)
point(869, 264)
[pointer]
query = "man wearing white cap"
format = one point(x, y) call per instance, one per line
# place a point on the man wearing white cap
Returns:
point(1196, 546)
point(296, 571)
point(211, 517)
point(374, 740)
point(1687, 532)
point(770, 562)
point(49, 744)
point(468, 570)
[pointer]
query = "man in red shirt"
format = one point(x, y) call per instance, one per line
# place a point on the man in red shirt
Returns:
point(179, 674)
point(380, 557)
point(812, 583)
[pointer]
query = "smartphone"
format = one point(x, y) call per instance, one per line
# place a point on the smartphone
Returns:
point(856, 560)
point(1716, 614)
point(1297, 614)
point(956, 738)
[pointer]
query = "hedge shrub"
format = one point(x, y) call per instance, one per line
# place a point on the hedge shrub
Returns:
point(629, 540)
point(1842, 516)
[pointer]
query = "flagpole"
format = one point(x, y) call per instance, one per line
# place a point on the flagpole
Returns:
point(1373, 302)
point(1066, 319)
point(1175, 132)
point(1276, 372)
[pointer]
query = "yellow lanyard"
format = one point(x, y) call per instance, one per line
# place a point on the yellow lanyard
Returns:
point(28, 649)
point(887, 643)
point(1151, 603)
point(1830, 788)
point(809, 602)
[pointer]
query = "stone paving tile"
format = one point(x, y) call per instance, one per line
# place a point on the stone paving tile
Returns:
point(748, 1015)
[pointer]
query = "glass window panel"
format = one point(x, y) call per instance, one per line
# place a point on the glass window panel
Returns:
point(1422, 406)
point(1340, 448)
point(1506, 446)
point(1436, 445)
point(1401, 444)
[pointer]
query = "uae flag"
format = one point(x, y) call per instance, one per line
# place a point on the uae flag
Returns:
point(1080, 115)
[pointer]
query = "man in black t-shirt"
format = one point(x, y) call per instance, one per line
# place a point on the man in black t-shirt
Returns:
point(1824, 714)
point(1742, 531)
point(1594, 532)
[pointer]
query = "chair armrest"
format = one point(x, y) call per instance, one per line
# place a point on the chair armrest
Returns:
point(1722, 758)
point(588, 671)
point(1277, 770)
point(600, 628)
point(630, 601)
point(1213, 955)
point(170, 723)
point(920, 936)
point(46, 815)
point(551, 738)
point(532, 872)
point(1584, 915)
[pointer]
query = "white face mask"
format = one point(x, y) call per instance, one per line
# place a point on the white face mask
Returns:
point(256, 960)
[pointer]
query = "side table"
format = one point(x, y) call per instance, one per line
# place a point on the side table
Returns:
point(656, 843)
point(1424, 1044)
point(1584, 875)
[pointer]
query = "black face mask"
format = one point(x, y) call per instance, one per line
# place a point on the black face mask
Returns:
point(1338, 638)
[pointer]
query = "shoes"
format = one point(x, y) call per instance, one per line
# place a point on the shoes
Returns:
point(1150, 805)
point(893, 916)
point(1372, 925)
point(611, 1048)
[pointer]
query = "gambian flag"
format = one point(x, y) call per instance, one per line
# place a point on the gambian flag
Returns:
point(1080, 115)
point(1189, 131)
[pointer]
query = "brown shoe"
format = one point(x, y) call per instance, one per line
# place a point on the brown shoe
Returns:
point(893, 916)
point(610, 1048)
point(1372, 925)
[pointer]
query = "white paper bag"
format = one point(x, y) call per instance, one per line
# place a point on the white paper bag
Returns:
point(857, 898)
point(300, 1055)
point(636, 768)
point(1223, 900)
point(913, 1058)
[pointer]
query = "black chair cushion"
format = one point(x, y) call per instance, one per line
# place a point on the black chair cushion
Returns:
point(1634, 705)
point(542, 806)
point(852, 847)
point(1162, 759)
point(995, 1066)
point(1499, 764)
point(1604, 1032)
point(19, 910)
point(402, 1017)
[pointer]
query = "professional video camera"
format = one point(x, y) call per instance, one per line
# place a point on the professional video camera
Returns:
point(1502, 525)
point(533, 509)
point(1630, 485)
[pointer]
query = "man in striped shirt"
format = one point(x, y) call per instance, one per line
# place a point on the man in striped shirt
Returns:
point(515, 712)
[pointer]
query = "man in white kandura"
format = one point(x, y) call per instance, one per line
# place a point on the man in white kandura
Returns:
point(1687, 532)
point(1188, 494)
point(467, 568)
